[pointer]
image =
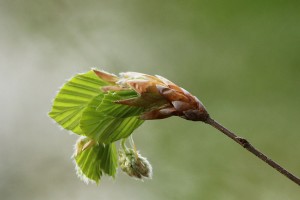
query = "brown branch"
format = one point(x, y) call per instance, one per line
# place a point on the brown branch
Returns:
point(244, 143)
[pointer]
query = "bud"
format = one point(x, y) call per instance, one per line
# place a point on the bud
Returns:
point(133, 164)
point(159, 97)
point(82, 144)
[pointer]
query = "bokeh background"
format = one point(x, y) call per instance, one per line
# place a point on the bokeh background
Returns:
point(241, 58)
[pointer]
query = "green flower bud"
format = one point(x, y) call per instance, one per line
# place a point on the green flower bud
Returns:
point(133, 164)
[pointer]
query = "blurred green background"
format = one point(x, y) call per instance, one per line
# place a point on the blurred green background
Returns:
point(241, 58)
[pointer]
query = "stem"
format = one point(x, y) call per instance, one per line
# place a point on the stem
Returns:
point(125, 149)
point(133, 146)
point(244, 143)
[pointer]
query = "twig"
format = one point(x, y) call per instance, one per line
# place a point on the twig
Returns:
point(244, 143)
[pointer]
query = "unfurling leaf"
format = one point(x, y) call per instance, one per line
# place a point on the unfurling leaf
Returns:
point(73, 98)
point(95, 160)
point(107, 122)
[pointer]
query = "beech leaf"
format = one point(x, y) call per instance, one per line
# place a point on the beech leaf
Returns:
point(105, 121)
point(97, 160)
point(73, 98)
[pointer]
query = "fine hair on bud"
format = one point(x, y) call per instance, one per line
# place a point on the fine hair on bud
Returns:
point(135, 165)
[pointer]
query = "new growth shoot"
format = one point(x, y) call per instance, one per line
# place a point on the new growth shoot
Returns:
point(103, 108)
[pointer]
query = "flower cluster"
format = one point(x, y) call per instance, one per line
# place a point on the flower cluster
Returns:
point(133, 164)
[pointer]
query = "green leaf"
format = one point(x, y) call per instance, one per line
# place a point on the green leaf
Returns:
point(106, 121)
point(97, 160)
point(73, 98)
point(109, 108)
point(109, 160)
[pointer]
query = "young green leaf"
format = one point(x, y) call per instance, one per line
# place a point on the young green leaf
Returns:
point(105, 121)
point(108, 107)
point(96, 160)
point(73, 97)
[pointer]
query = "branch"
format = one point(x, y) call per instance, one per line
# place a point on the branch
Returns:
point(244, 143)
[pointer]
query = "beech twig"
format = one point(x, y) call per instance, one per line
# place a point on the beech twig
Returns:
point(244, 143)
